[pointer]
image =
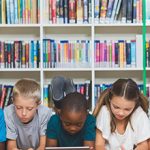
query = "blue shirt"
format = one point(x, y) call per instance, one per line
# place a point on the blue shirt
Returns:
point(64, 139)
point(2, 127)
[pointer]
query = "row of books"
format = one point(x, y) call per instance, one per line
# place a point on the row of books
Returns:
point(5, 95)
point(73, 53)
point(114, 11)
point(66, 53)
point(148, 53)
point(19, 54)
point(67, 11)
point(148, 90)
point(121, 53)
point(98, 88)
point(19, 11)
point(72, 11)
point(82, 87)
point(118, 53)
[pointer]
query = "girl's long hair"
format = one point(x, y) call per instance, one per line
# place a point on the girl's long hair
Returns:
point(125, 88)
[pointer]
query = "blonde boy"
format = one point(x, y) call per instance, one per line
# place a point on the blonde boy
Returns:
point(26, 119)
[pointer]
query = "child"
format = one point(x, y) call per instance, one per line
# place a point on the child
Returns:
point(26, 119)
point(2, 131)
point(121, 119)
point(73, 126)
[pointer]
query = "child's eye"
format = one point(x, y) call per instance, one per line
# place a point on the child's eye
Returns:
point(67, 124)
point(79, 124)
point(116, 107)
point(127, 109)
point(30, 109)
point(18, 108)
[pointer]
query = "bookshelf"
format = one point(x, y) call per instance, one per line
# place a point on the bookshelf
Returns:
point(82, 72)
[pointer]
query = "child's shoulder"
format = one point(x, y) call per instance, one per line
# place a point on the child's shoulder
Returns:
point(139, 114)
point(55, 118)
point(104, 111)
point(90, 120)
point(9, 109)
point(90, 117)
point(44, 110)
point(1, 112)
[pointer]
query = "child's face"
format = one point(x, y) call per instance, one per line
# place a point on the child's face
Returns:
point(121, 108)
point(73, 122)
point(25, 108)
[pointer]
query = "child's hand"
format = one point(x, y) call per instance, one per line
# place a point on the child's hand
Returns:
point(91, 148)
point(30, 149)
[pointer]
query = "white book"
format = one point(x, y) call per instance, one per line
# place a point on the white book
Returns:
point(114, 11)
point(148, 11)
point(139, 51)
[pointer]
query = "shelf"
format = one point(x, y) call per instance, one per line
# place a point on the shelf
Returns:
point(67, 69)
point(19, 25)
point(119, 25)
point(67, 25)
point(20, 69)
point(118, 69)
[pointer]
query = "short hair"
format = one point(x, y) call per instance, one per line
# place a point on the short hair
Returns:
point(74, 102)
point(27, 88)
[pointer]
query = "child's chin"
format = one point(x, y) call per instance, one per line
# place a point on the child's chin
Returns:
point(72, 133)
point(25, 121)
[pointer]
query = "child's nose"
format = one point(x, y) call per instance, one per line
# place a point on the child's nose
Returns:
point(24, 112)
point(73, 128)
point(121, 112)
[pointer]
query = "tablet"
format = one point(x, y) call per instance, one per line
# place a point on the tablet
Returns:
point(68, 148)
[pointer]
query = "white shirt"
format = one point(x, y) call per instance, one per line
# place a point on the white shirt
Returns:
point(131, 137)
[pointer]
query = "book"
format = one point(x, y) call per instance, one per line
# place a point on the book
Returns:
point(72, 11)
point(79, 10)
point(129, 17)
point(66, 13)
point(124, 11)
point(109, 10)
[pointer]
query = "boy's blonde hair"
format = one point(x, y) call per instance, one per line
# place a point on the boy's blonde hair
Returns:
point(27, 88)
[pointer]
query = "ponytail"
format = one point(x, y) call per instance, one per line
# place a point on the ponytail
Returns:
point(103, 100)
point(144, 102)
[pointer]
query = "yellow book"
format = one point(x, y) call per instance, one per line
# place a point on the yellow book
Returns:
point(121, 53)
point(19, 11)
point(34, 11)
point(3, 11)
point(79, 11)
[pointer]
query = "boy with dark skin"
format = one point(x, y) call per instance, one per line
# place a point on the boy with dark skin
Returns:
point(73, 126)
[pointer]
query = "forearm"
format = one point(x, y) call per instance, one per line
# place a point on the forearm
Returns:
point(100, 141)
point(42, 143)
point(99, 147)
point(2, 145)
point(90, 144)
point(11, 145)
point(142, 146)
point(42, 147)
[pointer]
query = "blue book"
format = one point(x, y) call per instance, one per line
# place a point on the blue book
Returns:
point(96, 11)
point(128, 54)
point(133, 53)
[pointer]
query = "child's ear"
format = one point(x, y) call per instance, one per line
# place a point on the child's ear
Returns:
point(39, 102)
point(57, 110)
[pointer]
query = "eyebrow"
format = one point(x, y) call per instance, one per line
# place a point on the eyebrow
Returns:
point(72, 123)
point(119, 107)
